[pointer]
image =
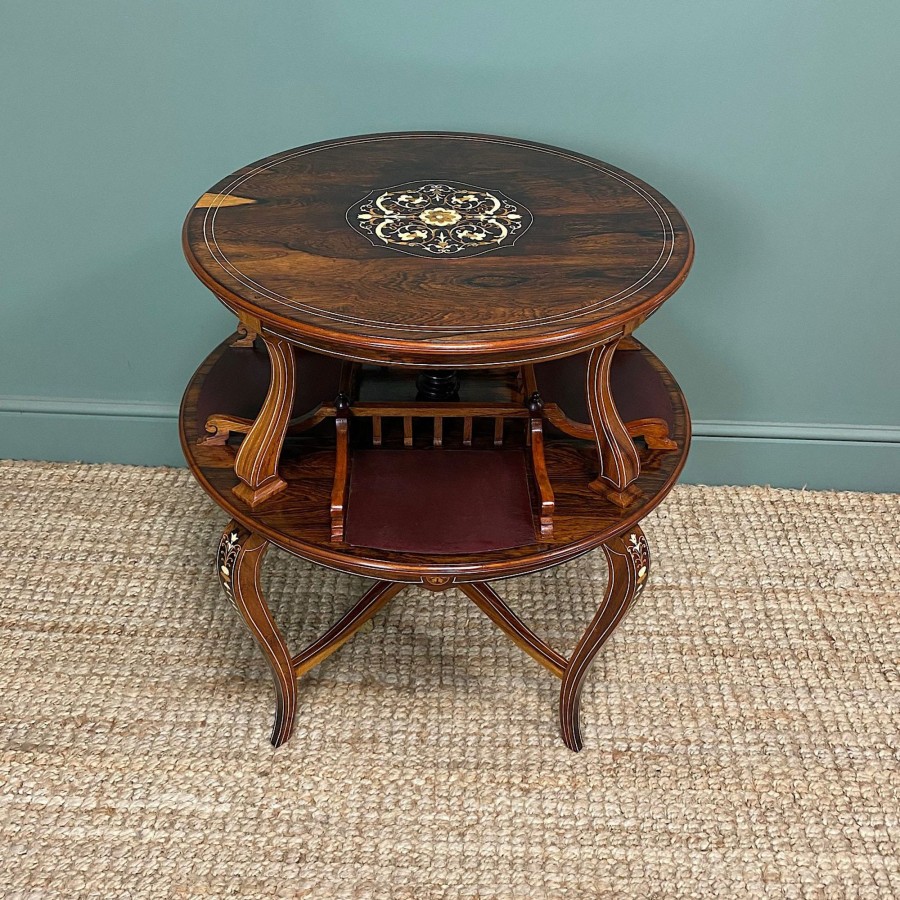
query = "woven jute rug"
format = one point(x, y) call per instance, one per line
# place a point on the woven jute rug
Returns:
point(742, 728)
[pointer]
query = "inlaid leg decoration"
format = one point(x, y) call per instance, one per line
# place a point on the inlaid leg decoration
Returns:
point(628, 558)
point(620, 464)
point(256, 463)
point(238, 562)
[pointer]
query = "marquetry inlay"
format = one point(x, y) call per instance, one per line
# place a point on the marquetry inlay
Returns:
point(443, 219)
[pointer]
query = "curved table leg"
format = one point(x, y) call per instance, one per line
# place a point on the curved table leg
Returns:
point(628, 558)
point(620, 464)
point(256, 463)
point(238, 564)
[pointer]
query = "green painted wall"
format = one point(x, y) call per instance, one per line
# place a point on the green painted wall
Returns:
point(772, 125)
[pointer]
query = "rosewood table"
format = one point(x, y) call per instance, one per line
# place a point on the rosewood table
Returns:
point(434, 379)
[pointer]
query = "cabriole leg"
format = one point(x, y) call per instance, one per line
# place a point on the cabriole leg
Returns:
point(238, 563)
point(628, 558)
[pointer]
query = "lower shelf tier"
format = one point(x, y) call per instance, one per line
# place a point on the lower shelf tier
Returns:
point(425, 510)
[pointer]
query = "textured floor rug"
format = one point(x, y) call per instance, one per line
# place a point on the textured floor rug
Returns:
point(742, 728)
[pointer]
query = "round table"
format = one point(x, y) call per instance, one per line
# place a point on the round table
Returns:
point(434, 379)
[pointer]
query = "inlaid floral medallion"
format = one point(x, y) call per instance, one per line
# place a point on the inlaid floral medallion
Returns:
point(439, 219)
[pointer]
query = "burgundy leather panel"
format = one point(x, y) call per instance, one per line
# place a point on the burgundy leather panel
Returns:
point(439, 501)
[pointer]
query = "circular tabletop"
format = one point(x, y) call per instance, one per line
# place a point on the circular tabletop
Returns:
point(439, 249)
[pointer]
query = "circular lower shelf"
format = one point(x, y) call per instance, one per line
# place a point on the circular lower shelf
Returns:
point(232, 381)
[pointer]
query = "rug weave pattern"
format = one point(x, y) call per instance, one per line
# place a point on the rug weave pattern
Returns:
point(742, 728)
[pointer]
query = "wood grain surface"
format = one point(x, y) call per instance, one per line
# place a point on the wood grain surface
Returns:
point(278, 240)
